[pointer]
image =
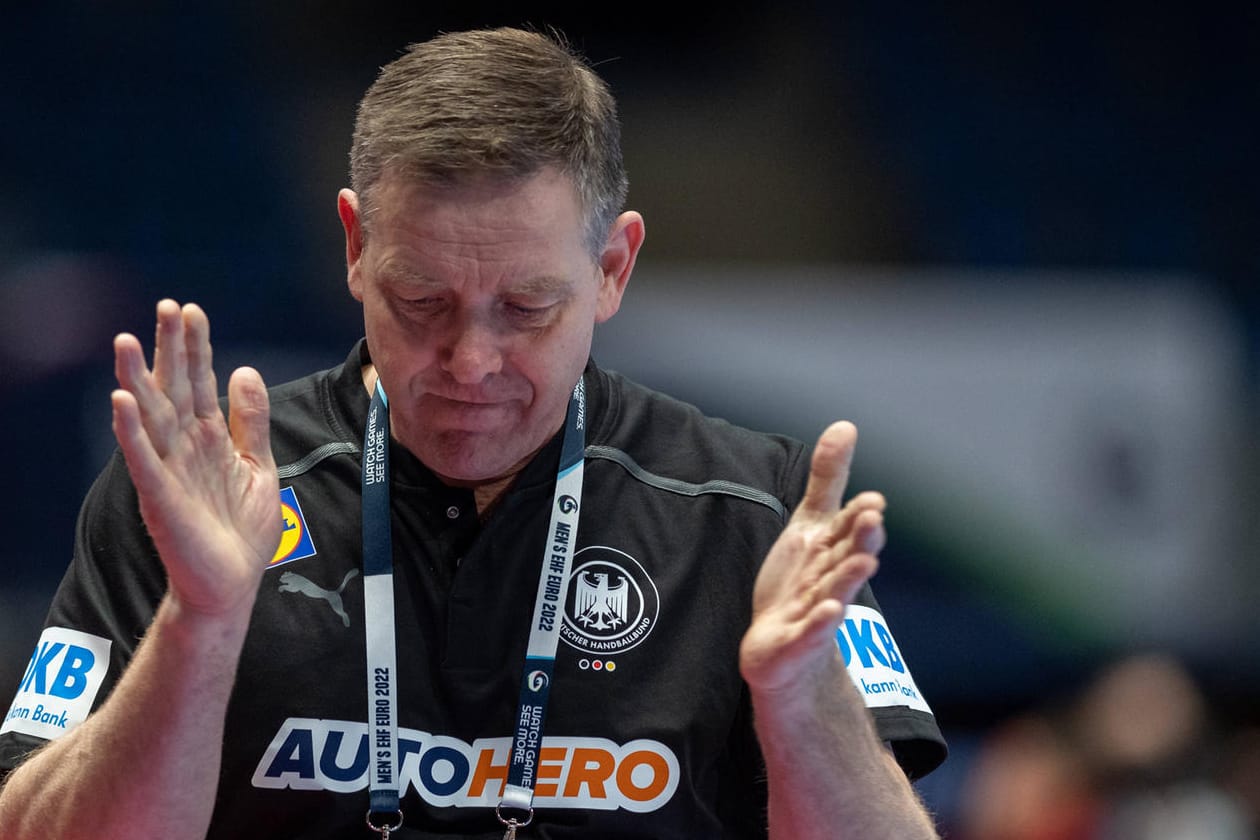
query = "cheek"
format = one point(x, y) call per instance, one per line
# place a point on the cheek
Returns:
point(390, 326)
point(380, 330)
point(548, 364)
point(397, 351)
point(564, 359)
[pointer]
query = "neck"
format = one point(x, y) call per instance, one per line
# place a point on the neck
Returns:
point(485, 495)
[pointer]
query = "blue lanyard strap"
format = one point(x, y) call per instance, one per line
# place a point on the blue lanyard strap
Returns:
point(378, 596)
point(544, 633)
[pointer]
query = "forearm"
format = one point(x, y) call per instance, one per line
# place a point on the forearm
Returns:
point(828, 774)
point(147, 762)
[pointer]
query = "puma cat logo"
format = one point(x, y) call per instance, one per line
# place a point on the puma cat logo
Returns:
point(293, 582)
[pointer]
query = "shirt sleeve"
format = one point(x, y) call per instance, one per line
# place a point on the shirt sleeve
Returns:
point(106, 599)
point(882, 676)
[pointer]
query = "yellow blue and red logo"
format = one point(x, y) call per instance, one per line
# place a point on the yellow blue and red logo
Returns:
point(295, 538)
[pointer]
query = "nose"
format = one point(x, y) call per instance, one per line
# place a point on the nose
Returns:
point(472, 353)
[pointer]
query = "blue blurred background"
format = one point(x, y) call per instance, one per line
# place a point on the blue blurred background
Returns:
point(1017, 245)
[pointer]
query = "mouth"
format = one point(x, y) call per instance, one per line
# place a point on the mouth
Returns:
point(469, 415)
point(461, 401)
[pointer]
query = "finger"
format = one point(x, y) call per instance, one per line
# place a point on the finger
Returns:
point(857, 529)
point(204, 386)
point(249, 415)
point(129, 366)
point(822, 620)
point(835, 573)
point(869, 536)
point(845, 579)
point(170, 358)
point(154, 410)
point(822, 608)
point(143, 462)
point(815, 613)
point(829, 470)
point(842, 523)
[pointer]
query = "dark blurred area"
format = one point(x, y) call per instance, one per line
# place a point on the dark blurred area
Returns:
point(1030, 230)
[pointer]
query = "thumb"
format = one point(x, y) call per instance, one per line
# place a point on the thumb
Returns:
point(829, 469)
point(249, 415)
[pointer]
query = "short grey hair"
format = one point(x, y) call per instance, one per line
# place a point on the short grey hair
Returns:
point(504, 103)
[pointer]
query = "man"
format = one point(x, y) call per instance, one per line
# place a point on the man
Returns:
point(509, 592)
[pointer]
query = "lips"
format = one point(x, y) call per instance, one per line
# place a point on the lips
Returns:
point(466, 415)
point(465, 400)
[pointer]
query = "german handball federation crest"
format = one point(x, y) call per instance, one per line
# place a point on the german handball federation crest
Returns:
point(600, 605)
point(611, 604)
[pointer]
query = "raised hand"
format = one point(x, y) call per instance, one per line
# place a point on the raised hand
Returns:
point(812, 572)
point(208, 488)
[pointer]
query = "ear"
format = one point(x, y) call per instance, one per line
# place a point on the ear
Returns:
point(352, 222)
point(616, 262)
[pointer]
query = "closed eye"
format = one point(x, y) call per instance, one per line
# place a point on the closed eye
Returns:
point(528, 314)
point(527, 310)
point(420, 307)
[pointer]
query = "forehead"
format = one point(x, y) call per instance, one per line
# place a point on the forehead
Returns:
point(491, 233)
point(545, 204)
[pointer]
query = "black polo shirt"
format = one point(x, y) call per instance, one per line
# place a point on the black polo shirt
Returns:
point(648, 732)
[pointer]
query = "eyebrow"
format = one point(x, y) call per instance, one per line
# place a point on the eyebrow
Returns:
point(545, 284)
point(537, 285)
point(401, 273)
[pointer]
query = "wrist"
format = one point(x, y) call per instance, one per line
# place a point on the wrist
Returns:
point(795, 684)
point(199, 633)
point(820, 702)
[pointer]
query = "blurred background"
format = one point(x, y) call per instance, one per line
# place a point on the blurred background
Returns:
point(1017, 245)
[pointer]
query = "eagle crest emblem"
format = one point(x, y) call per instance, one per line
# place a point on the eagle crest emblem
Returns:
point(611, 604)
point(601, 605)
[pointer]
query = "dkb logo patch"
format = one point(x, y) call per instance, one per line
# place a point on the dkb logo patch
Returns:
point(60, 683)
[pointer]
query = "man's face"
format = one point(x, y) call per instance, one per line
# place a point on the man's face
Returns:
point(479, 304)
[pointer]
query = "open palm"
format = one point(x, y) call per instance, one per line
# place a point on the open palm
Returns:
point(813, 571)
point(207, 487)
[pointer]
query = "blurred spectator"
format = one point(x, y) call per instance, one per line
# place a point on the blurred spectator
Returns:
point(1146, 732)
point(1135, 755)
point(1028, 783)
point(1241, 773)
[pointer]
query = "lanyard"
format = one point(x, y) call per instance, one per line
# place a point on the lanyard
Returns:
point(544, 633)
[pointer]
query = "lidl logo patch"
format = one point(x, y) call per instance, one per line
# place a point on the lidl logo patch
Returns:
point(60, 684)
point(874, 661)
point(295, 538)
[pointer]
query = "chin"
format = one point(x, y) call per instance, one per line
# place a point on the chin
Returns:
point(464, 462)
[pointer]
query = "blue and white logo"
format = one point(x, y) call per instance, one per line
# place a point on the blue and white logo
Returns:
point(874, 662)
point(60, 684)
